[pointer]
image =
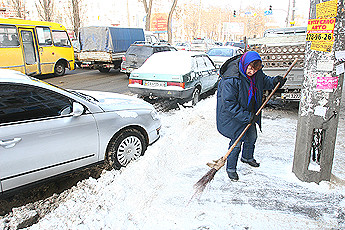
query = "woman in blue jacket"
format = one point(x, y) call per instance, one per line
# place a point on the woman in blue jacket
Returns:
point(239, 96)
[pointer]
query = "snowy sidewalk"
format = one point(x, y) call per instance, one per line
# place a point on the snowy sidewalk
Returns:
point(155, 192)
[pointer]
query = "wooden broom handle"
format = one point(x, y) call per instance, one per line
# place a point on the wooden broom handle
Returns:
point(259, 110)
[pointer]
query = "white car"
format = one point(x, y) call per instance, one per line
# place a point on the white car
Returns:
point(46, 131)
point(182, 46)
point(181, 75)
point(220, 54)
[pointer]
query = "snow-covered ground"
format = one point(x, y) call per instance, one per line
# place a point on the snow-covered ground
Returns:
point(155, 192)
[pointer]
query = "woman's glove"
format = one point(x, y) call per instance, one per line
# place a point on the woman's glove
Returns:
point(279, 79)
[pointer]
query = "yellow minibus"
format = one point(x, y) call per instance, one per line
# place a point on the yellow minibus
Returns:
point(35, 47)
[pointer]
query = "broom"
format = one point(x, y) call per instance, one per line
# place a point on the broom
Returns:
point(217, 164)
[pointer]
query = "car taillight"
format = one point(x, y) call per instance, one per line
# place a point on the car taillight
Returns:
point(180, 84)
point(135, 81)
point(123, 58)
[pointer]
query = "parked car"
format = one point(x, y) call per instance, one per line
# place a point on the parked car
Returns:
point(46, 131)
point(150, 37)
point(138, 52)
point(220, 54)
point(182, 75)
point(182, 46)
point(202, 44)
point(218, 43)
point(236, 44)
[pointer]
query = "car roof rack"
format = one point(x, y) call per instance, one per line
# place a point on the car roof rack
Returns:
point(141, 42)
point(152, 44)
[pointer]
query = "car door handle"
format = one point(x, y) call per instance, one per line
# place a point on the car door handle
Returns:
point(10, 143)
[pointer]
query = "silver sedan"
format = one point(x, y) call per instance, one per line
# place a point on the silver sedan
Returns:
point(46, 131)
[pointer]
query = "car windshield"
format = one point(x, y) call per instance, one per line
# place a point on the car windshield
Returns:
point(221, 52)
point(167, 63)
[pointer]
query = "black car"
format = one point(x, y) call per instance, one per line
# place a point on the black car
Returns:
point(138, 52)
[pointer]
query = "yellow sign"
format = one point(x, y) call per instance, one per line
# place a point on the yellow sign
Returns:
point(325, 46)
point(327, 9)
point(320, 29)
point(320, 37)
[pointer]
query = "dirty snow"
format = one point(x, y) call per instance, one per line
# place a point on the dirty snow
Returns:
point(155, 192)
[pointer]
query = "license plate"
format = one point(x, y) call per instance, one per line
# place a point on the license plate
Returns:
point(291, 96)
point(154, 84)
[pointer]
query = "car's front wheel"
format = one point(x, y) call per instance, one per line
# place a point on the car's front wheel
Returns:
point(128, 146)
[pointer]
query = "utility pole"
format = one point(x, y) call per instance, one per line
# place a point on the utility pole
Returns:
point(128, 16)
point(288, 15)
point(293, 12)
point(321, 92)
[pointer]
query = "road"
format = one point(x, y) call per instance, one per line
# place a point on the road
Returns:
point(89, 79)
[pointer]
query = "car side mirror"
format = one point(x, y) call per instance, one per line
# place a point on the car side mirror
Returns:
point(78, 109)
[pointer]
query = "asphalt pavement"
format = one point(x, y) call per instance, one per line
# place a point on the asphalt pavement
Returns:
point(90, 79)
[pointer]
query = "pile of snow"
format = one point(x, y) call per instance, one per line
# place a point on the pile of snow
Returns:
point(155, 192)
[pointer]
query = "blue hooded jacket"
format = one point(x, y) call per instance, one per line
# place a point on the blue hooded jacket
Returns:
point(233, 109)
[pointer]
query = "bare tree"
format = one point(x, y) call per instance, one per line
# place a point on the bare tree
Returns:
point(19, 7)
point(189, 16)
point(148, 9)
point(212, 21)
point(169, 20)
point(76, 16)
point(45, 9)
point(255, 24)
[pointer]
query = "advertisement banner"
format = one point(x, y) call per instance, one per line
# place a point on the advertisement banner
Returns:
point(327, 9)
point(159, 22)
point(320, 29)
point(325, 46)
point(327, 83)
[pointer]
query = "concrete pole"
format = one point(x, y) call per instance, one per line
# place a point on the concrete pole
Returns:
point(287, 16)
point(320, 96)
point(293, 12)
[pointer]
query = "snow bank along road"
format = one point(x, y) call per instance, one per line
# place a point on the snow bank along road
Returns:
point(155, 191)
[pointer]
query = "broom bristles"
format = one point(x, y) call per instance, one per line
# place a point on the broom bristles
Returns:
point(204, 181)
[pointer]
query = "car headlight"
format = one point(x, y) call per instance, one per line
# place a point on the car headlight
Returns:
point(154, 115)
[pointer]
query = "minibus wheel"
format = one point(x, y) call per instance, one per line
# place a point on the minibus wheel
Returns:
point(59, 69)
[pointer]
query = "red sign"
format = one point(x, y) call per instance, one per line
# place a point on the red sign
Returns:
point(320, 29)
point(159, 22)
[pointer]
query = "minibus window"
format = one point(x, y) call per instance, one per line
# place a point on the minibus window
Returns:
point(44, 36)
point(61, 39)
point(8, 37)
